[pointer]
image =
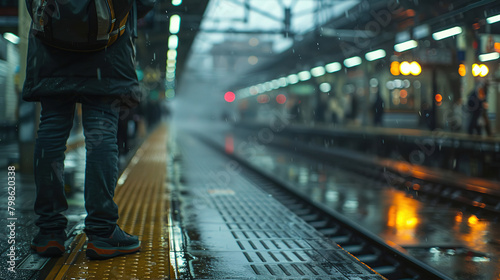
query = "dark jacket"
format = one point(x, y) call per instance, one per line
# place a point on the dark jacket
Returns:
point(51, 71)
point(475, 105)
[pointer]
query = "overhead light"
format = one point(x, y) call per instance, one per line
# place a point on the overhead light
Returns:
point(462, 70)
point(176, 2)
point(262, 88)
point(395, 68)
point(175, 24)
point(11, 38)
point(254, 90)
point(476, 70)
point(172, 62)
point(318, 71)
point(283, 82)
point(484, 70)
point(304, 75)
point(172, 54)
point(325, 87)
point(489, 56)
point(170, 69)
point(415, 68)
point(276, 84)
point(405, 68)
point(333, 67)
point(293, 79)
point(493, 19)
point(447, 33)
point(352, 61)
point(173, 42)
point(374, 55)
point(408, 45)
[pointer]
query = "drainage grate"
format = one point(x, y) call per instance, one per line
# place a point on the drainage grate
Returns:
point(274, 241)
point(33, 262)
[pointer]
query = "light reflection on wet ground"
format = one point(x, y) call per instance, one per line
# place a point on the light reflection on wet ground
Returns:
point(456, 243)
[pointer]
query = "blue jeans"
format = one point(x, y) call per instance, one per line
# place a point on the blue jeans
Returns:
point(100, 124)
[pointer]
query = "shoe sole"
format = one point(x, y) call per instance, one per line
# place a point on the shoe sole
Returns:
point(100, 253)
point(52, 249)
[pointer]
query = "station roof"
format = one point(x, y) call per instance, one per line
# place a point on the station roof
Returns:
point(240, 43)
point(230, 44)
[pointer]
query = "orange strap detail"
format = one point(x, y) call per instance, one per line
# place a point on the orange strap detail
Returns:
point(122, 24)
point(111, 8)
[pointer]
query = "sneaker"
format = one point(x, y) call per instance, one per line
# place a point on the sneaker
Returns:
point(49, 244)
point(119, 243)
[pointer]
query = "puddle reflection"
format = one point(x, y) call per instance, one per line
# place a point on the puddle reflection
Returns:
point(458, 244)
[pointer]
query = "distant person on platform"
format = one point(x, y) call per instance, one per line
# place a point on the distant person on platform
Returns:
point(378, 109)
point(476, 106)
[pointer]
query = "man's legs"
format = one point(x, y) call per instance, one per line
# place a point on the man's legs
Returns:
point(56, 121)
point(100, 123)
point(105, 238)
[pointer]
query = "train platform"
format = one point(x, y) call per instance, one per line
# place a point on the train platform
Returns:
point(197, 216)
point(430, 153)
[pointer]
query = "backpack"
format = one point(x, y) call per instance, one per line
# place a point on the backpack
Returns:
point(79, 25)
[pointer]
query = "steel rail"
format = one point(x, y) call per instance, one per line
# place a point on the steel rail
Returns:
point(386, 259)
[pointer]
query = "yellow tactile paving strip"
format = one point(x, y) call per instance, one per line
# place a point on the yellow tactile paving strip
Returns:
point(142, 199)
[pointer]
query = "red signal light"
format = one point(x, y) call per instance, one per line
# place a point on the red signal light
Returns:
point(229, 96)
point(281, 99)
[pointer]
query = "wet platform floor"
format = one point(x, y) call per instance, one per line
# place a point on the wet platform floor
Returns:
point(197, 217)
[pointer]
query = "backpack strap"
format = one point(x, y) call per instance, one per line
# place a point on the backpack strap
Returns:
point(113, 36)
point(119, 30)
point(113, 16)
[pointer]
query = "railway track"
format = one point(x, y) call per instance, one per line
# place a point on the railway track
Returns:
point(386, 259)
point(479, 197)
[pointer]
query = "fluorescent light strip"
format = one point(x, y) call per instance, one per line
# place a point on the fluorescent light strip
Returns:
point(171, 54)
point(352, 61)
point(262, 88)
point(276, 84)
point(447, 33)
point(11, 38)
point(493, 19)
point(374, 55)
point(318, 71)
point(175, 24)
point(171, 62)
point(170, 69)
point(408, 45)
point(173, 42)
point(333, 67)
point(304, 75)
point(269, 86)
point(293, 79)
point(489, 56)
point(283, 82)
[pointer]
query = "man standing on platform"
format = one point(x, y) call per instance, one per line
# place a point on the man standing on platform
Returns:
point(476, 106)
point(102, 81)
